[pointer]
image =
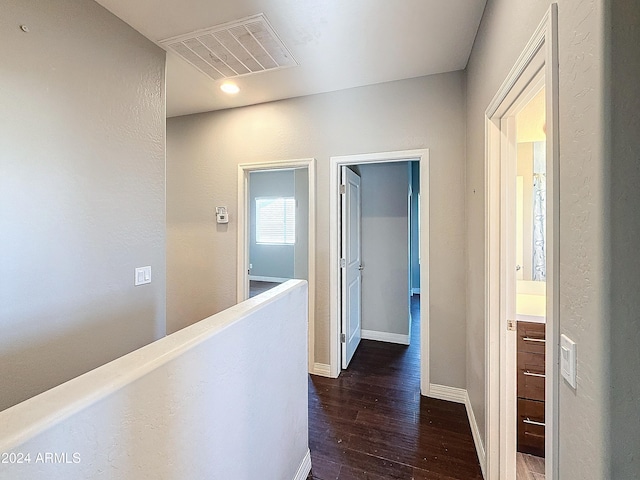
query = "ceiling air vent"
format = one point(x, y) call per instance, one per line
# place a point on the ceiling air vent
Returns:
point(233, 49)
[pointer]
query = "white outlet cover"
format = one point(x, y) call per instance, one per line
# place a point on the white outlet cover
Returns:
point(142, 275)
point(568, 360)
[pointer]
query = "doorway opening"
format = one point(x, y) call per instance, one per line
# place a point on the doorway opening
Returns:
point(377, 265)
point(276, 229)
point(366, 165)
point(522, 265)
point(525, 275)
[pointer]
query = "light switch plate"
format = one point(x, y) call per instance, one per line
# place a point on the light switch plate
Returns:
point(568, 360)
point(142, 276)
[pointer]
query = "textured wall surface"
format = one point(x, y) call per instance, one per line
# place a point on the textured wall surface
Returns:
point(499, 41)
point(624, 148)
point(189, 406)
point(81, 192)
point(584, 252)
point(203, 152)
point(385, 247)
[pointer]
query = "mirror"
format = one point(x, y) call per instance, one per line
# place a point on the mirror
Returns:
point(531, 186)
point(531, 222)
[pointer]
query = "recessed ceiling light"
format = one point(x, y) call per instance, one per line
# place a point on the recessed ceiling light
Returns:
point(230, 88)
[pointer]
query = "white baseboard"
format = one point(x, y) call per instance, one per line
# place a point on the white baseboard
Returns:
point(321, 369)
point(385, 337)
point(450, 394)
point(460, 395)
point(258, 278)
point(304, 468)
point(477, 438)
point(415, 291)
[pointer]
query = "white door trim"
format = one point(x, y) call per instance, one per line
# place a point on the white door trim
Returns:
point(543, 47)
point(421, 155)
point(242, 275)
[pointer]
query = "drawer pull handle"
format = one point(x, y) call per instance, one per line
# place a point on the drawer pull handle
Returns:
point(533, 422)
point(531, 374)
point(529, 339)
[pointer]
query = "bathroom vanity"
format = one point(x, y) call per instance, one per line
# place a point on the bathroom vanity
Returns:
point(531, 387)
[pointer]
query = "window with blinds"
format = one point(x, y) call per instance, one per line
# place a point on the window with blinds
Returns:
point(276, 220)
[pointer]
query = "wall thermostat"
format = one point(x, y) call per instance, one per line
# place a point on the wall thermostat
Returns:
point(221, 215)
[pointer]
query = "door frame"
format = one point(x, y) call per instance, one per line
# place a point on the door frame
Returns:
point(242, 273)
point(422, 156)
point(540, 55)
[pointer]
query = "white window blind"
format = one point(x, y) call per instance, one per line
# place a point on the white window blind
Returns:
point(276, 220)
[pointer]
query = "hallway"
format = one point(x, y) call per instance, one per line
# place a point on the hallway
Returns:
point(371, 423)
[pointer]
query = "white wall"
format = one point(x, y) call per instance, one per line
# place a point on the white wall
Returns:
point(191, 405)
point(203, 152)
point(584, 253)
point(385, 247)
point(82, 200)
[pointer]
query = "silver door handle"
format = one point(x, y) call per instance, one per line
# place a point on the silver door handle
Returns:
point(360, 268)
point(531, 374)
point(532, 422)
point(529, 339)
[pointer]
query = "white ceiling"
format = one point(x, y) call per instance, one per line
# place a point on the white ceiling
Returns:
point(338, 43)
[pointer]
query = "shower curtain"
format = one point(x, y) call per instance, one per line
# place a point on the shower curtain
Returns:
point(539, 226)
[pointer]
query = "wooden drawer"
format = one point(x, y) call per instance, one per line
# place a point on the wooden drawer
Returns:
point(531, 427)
point(531, 337)
point(531, 375)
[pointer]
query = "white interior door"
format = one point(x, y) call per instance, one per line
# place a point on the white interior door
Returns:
point(351, 264)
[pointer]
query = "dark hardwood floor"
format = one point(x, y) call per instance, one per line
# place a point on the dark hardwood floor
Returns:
point(256, 287)
point(372, 423)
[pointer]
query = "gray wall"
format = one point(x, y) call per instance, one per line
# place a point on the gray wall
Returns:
point(203, 152)
point(585, 257)
point(281, 261)
point(415, 237)
point(385, 247)
point(623, 145)
point(81, 192)
point(301, 251)
point(270, 260)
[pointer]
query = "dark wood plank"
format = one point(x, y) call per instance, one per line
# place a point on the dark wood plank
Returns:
point(256, 287)
point(372, 423)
